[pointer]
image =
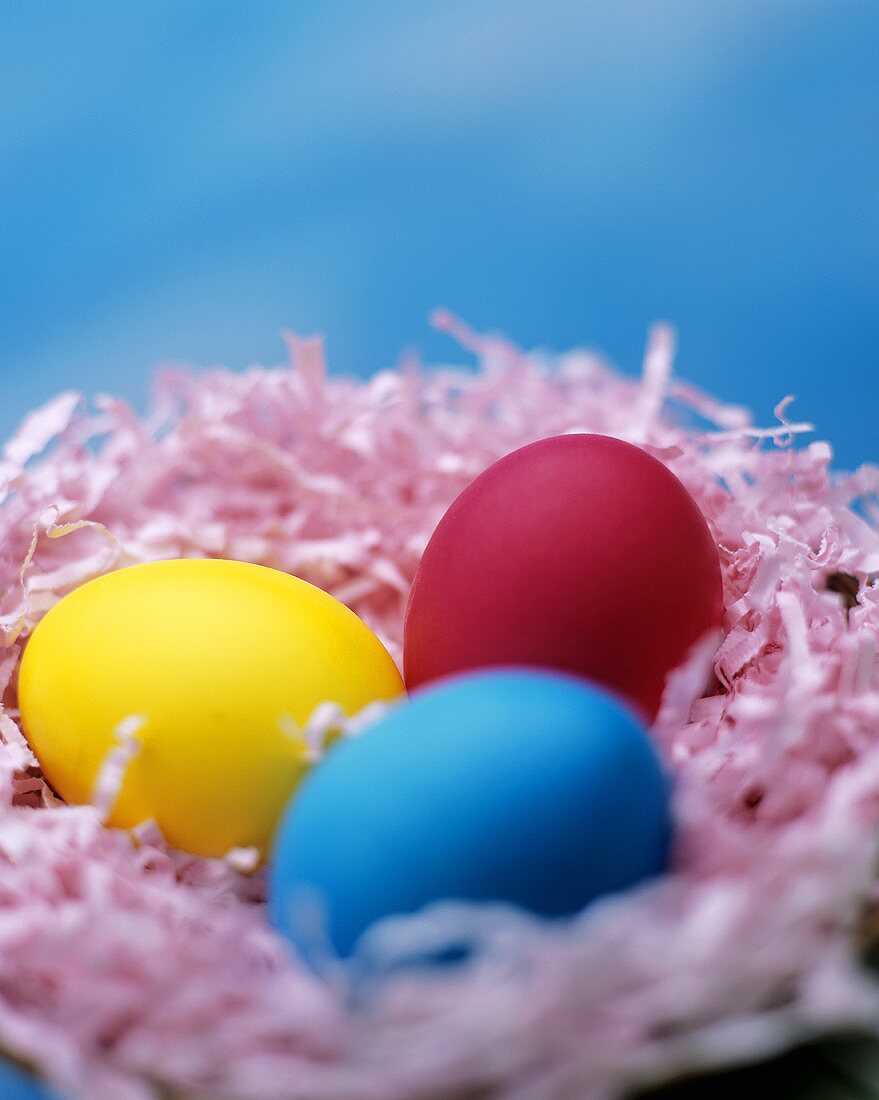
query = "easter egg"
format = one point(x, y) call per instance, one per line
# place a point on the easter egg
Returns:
point(578, 552)
point(221, 664)
point(520, 786)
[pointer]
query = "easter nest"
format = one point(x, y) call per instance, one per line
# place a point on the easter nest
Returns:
point(130, 971)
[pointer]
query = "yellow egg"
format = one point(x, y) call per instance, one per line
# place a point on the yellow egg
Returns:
point(224, 662)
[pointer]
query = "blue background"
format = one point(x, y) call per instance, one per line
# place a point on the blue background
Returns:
point(184, 180)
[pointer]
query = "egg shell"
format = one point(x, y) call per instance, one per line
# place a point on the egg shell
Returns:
point(578, 552)
point(518, 786)
point(225, 662)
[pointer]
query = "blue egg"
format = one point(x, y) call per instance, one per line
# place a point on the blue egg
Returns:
point(16, 1084)
point(513, 785)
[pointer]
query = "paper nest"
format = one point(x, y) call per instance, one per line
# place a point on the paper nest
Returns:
point(128, 971)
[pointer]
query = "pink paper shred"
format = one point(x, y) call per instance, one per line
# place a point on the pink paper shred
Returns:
point(128, 971)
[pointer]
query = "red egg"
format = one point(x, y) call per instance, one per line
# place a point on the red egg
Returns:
point(578, 552)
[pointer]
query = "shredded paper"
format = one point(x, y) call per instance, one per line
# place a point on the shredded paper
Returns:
point(129, 971)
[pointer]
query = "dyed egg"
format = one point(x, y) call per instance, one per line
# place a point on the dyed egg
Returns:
point(519, 786)
point(579, 552)
point(223, 662)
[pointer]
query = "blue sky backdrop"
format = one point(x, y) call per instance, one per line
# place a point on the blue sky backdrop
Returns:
point(183, 180)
